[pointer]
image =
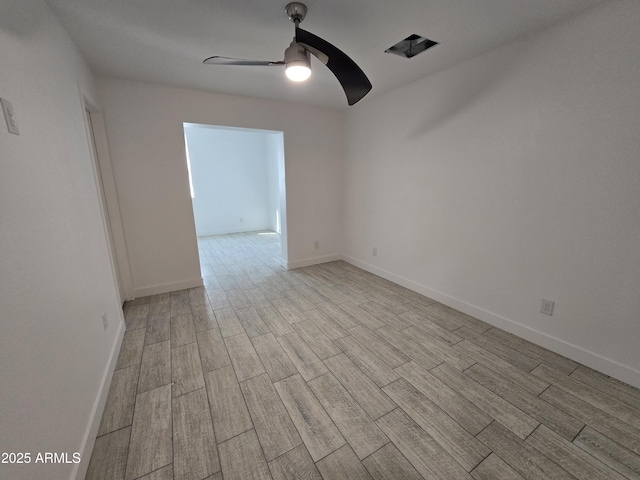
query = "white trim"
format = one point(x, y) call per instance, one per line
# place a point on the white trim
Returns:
point(311, 261)
point(168, 287)
point(597, 362)
point(108, 186)
point(86, 447)
point(113, 205)
point(241, 230)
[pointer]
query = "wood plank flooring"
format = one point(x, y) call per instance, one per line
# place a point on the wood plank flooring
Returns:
point(331, 372)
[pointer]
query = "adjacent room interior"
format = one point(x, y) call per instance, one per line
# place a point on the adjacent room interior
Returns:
point(236, 181)
point(437, 275)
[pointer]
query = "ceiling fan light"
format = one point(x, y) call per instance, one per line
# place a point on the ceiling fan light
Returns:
point(298, 63)
point(297, 71)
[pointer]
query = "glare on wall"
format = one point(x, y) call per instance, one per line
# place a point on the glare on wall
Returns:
point(186, 147)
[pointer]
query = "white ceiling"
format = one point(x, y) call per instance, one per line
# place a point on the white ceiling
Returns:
point(165, 41)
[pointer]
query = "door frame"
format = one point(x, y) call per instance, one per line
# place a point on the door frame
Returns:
point(111, 218)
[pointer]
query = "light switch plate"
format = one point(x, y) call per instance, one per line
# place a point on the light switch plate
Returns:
point(9, 116)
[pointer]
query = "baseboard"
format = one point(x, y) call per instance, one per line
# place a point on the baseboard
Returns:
point(239, 230)
point(311, 261)
point(86, 448)
point(590, 359)
point(167, 287)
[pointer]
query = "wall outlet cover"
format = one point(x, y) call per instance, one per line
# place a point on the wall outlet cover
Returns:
point(546, 307)
point(9, 116)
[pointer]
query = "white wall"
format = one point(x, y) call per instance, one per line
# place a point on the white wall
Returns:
point(511, 178)
point(55, 277)
point(146, 140)
point(233, 186)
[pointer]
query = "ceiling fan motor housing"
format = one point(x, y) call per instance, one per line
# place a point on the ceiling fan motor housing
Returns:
point(297, 54)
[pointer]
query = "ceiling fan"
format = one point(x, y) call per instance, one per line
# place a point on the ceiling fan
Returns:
point(297, 59)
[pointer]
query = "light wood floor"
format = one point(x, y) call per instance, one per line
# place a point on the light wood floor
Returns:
point(331, 372)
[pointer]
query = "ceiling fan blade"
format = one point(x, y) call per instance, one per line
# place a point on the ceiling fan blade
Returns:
point(353, 80)
point(216, 60)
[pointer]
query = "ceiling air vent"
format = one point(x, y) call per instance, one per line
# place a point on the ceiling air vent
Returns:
point(411, 46)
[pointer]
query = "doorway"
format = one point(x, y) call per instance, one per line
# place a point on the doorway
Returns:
point(237, 181)
point(108, 202)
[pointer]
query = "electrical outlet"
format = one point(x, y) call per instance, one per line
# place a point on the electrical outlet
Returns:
point(242, 220)
point(375, 251)
point(105, 323)
point(546, 307)
point(316, 245)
